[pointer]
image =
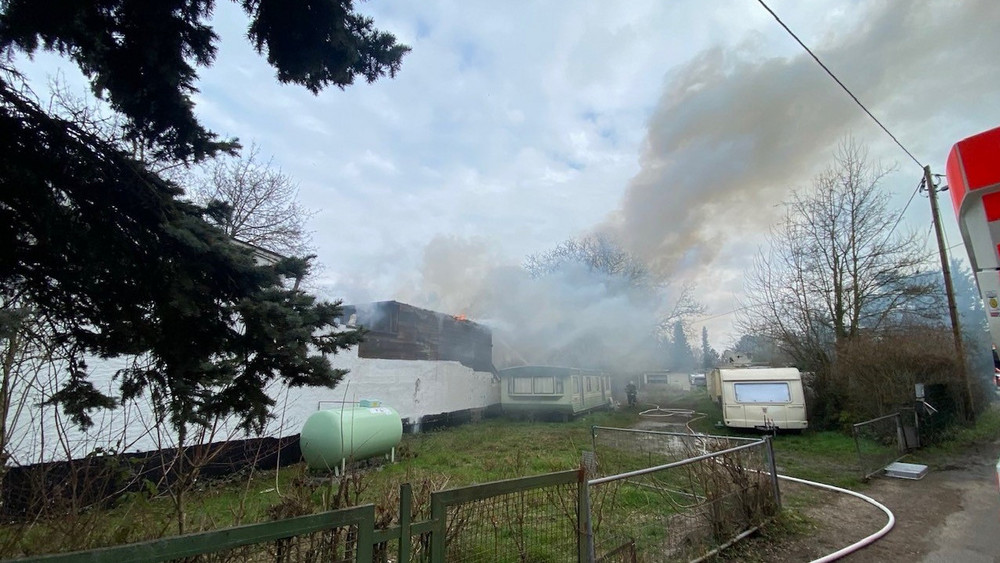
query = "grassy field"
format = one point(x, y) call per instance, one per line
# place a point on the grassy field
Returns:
point(480, 452)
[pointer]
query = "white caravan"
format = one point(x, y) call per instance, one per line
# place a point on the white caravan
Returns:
point(766, 398)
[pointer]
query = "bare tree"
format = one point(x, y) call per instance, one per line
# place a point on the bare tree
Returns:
point(94, 117)
point(836, 265)
point(263, 203)
point(623, 271)
point(683, 307)
point(598, 253)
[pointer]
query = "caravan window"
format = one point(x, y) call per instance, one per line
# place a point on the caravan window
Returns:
point(762, 392)
point(520, 386)
point(656, 379)
point(544, 385)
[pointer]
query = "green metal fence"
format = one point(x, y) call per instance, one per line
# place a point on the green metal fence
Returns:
point(527, 519)
point(687, 495)
point(879, 442)
point(341, 535)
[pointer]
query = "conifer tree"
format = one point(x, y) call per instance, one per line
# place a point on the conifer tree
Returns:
point(709, 356)
point(111, 255)
point(682, 359)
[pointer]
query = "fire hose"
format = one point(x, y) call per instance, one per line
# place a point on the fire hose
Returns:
point(863, 542)
point(657, 412)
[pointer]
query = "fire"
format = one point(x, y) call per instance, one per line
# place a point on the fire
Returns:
point(461, 317)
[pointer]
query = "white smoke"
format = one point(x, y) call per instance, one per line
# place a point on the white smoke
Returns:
point(572, 316)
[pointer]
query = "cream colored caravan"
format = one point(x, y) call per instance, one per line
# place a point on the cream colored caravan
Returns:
point(765, 398)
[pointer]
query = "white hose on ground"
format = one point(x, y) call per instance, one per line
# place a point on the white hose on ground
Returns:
point(859, 544)
point(656, 410)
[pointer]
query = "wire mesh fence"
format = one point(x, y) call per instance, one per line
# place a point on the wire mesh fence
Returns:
point(536, 522)
point(337, 536)
point(651, 496)
point(339, 545)
point(633, 449)
point(879, 442)
point(677, 497)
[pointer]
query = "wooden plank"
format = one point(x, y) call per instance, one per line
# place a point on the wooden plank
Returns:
point(420, 334)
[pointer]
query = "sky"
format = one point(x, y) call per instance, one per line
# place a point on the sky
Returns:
point(677, 126)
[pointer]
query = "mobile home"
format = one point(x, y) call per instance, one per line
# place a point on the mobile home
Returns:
point(766, 398)
point(665, 381)
point(550, 390)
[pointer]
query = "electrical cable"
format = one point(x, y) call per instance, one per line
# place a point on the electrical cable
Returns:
point(702, 319)
point(899, 218)
point(837, 80)
point(920, 184)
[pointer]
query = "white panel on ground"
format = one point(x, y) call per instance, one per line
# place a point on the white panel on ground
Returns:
point(906, 470)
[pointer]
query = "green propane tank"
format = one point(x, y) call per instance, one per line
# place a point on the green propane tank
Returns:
point(329, 437)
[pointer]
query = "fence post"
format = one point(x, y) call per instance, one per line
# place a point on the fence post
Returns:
point(585, 533)
point(405, 512)
point(364, 548)
point(857, 446)
point(773, 468)
point(439, 516)
point(900, 437)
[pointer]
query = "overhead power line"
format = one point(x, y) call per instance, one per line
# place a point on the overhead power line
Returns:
point(837, 80)
point(719, 315)
point(903, 212)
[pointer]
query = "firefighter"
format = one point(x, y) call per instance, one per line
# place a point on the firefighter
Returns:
point(630, 391)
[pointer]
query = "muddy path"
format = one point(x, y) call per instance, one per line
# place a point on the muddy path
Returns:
point(951, 515)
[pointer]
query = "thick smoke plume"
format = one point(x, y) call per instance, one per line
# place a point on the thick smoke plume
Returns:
point(733, 133)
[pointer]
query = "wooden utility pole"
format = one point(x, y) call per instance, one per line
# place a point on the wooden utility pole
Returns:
point(956, 327)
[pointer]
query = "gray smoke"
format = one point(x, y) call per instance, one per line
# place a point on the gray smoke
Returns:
point(573, 316)
point(733, 133)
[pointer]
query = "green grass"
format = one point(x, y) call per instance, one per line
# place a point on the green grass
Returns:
point(501, 448)
point(827, 457)
point(960, 438)
point(487, 451)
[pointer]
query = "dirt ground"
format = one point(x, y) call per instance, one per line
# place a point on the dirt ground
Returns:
point(951, 515)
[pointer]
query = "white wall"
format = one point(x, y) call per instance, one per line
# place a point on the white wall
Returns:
point(415, 388)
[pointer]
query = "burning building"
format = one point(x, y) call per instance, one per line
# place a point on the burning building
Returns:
point(431, 367)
